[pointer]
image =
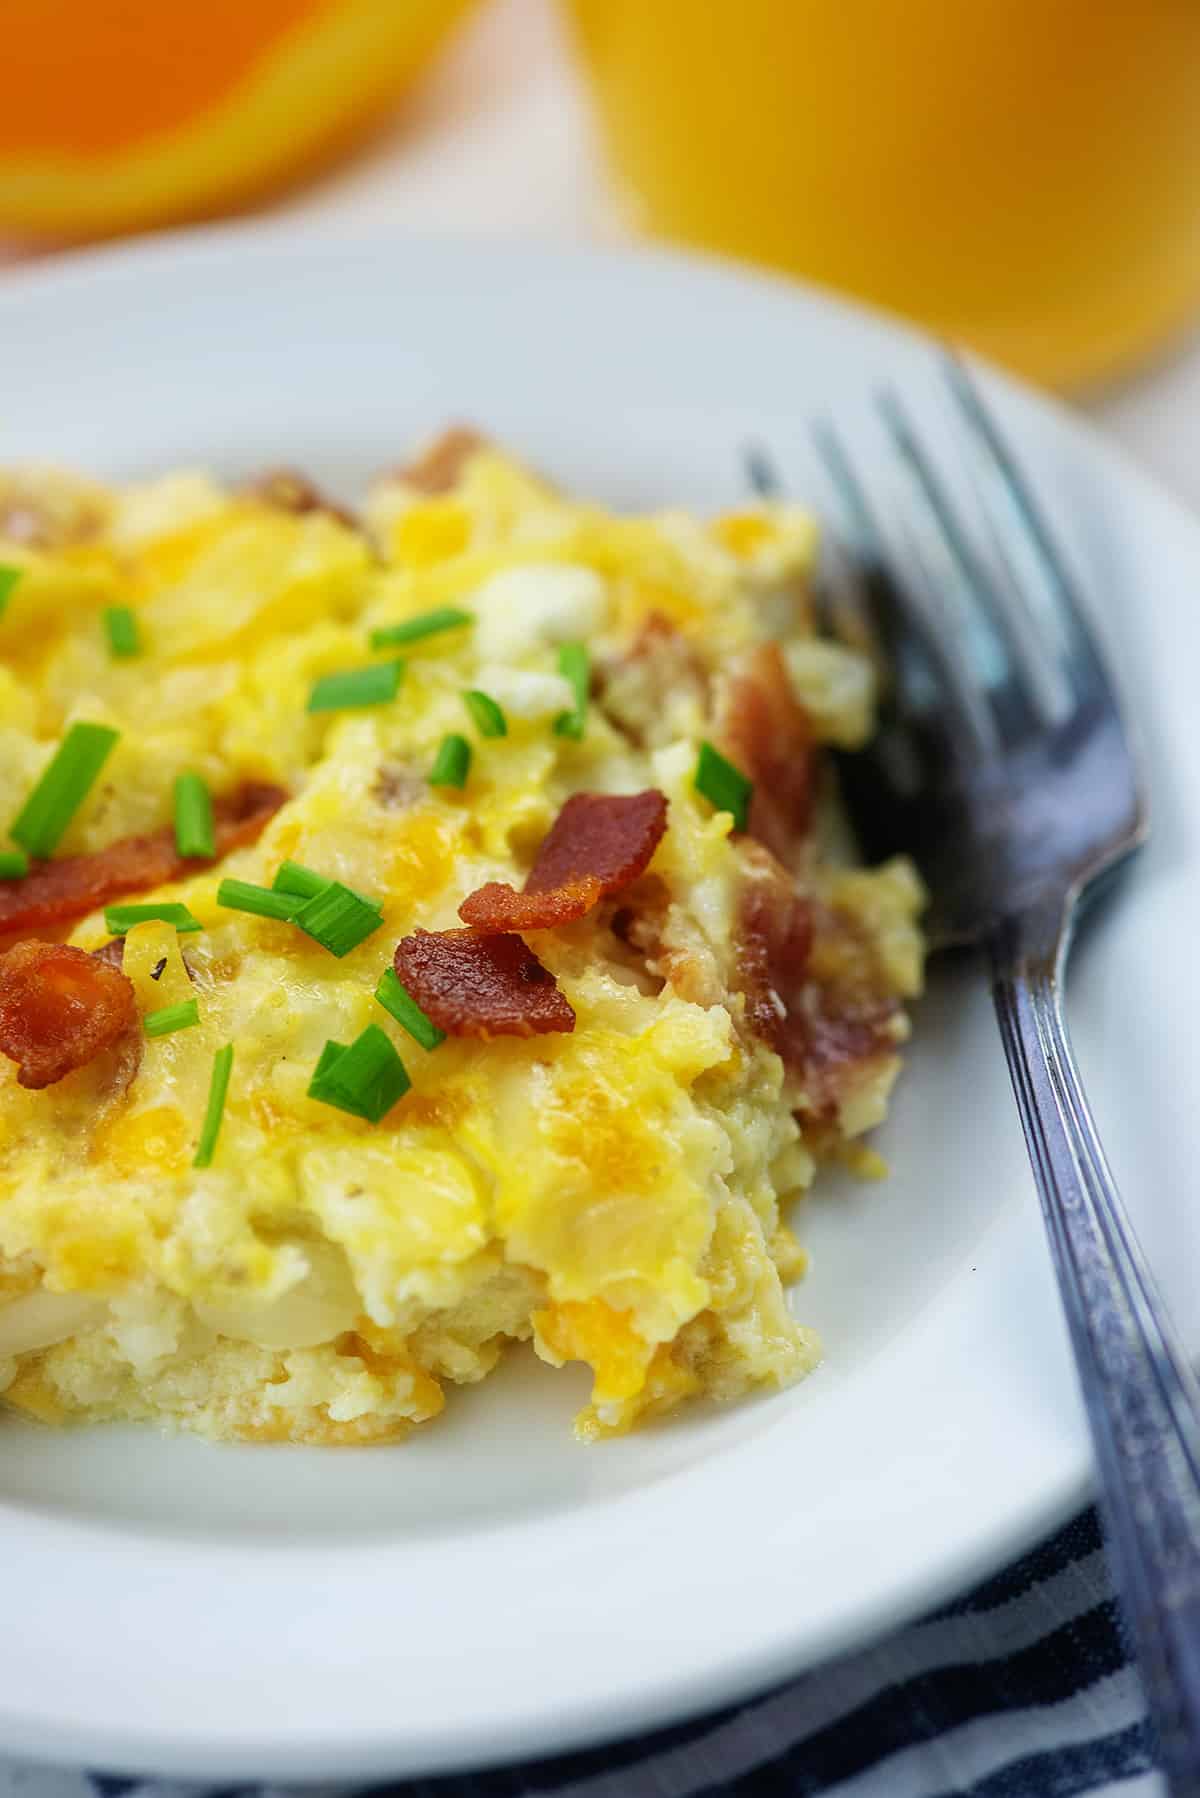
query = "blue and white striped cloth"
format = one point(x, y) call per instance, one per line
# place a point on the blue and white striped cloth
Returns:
point(1023, 1689)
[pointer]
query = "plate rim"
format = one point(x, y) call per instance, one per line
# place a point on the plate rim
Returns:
point(587, 1725)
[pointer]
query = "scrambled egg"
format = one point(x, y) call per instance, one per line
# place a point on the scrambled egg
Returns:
point(613, 1194)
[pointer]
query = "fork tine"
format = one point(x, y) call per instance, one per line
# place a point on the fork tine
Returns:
point(766, 483)
point(1078, 642)
point(993, 644)
point(868, 538)
point(761, 472)
point(930, 680)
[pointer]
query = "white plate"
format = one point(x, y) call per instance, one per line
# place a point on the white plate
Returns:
point(491, 1589)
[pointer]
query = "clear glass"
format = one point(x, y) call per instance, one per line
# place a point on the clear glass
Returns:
point(1021, 175)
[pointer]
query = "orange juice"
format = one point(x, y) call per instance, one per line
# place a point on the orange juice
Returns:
point(1023, 175)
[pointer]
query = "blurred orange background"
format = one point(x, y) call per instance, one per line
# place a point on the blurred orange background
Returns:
point(134, 113)
point(1022, 176)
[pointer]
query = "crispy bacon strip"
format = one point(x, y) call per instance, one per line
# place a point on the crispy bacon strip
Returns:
point(774, 939)
point(437, 469)
point(812, 986)
point(598, 844)
point(764, 731)
point(481, 985)
point(57, 891)
point(59, 1007)
point(290, 490)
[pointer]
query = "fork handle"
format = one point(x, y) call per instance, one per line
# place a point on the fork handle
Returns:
point(1142, 1399)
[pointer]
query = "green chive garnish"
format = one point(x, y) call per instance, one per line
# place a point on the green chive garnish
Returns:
point(14, 864)
point(121, 918)
point(337, 918)
point(489, 719)
point(171, 1018)
point(65, 784)
point(306, 883)
point(195, 834)
point(452, 762)
point(376, 685)
point(365, 1079)
point(214, 1111)
point(243, 895)
point(574, 662)
point(321, 1086)
point(726, 786)
point(428, 624)
point(407, 1013)
point(9, 576)
point(329, 1054)
point(292, 877)
point(121, 628)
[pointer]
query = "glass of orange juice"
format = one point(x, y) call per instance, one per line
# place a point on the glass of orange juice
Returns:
point(1020, 175)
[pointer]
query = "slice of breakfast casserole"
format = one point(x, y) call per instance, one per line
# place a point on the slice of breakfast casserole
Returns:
point(419, 935)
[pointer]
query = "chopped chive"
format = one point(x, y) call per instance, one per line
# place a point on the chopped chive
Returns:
point(489, 719)
point(292, 877)
point(14, 864)
point(329, 1054)
point(427, 624)
point(452, 763)
point(215, 1109)
point(337, 918)
point(243, 895)
point(321, 1086)
point(65, 784)
point(118, 919)
point(9, 576)
point(726, 786)
point(574, 662)
point(407, 1013)
point(306, 883)
point(121, 628)
point(376, 685)
point(195, 833)
point(170, 1018)
point(366, 1078)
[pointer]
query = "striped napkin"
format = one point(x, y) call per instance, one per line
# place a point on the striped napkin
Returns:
point(1023, 1689)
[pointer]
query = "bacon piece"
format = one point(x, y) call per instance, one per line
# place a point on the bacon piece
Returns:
point(598, 844)
point(481, 985)
point(59, 1007)
point(608, 837)
point(438, 468)
point(290, 490)
point(813, 988)
point(774, 939)
point(57, 891)
point(764, 730)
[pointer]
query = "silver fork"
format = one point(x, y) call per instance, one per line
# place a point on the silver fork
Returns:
point(1003, 766)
